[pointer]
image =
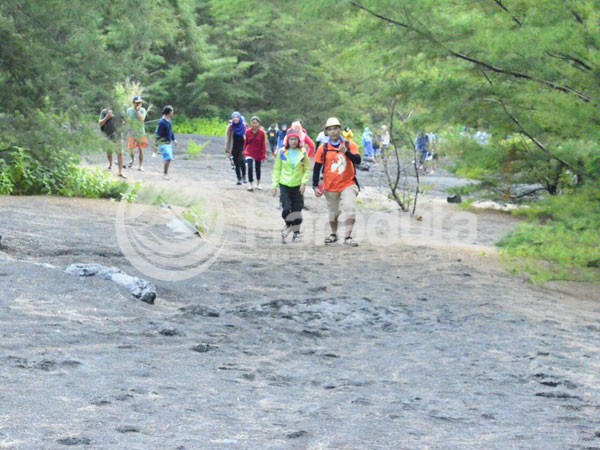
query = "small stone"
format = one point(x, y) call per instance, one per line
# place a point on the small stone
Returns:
point(296, 434)
point(171, 332)
point(74, 441)
point(201, 348)
point(128, 429)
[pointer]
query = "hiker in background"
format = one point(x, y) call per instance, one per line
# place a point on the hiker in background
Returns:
point(165, 139)
point(234, 145)
point(108, 125)
point(337, 158)
point(272, 134)
point(376, 147)
point(305, 141)
point(367, 143)
point(347, 134)
point(255, 151)
point(432, 149)
point(421, 149)
point(291, 172)
point(281, 135)
point(136, 115)
point(385, 141)
point(321, 138)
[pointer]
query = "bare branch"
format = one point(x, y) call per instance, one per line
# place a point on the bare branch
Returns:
point(538, 144)
point(577, 63)
point(505, 9)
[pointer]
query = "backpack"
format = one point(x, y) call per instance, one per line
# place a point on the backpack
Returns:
point(325, 150)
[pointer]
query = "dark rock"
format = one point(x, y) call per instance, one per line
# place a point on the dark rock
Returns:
point(201, 348)
point(560, 395)
point(198, 310)
point(171, 332)
point(139, 288)
point(454, 199)
point(74, 441)
point(297, 434)
point(70, 363)
point(128, 429)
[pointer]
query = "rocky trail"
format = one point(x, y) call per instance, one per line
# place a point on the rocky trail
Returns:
point(417, 339)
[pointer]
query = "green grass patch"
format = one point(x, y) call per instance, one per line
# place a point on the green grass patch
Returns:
point(194, 150)
point(213, 127)
point(560, 241)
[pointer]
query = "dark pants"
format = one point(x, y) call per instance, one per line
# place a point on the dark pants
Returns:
point(251, 163)
point(238, 159)
point(292, 202)
point(272, 146)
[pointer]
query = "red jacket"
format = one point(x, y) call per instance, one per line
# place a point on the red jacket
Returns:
point(255, 146)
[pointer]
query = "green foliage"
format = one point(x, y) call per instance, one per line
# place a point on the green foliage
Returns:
point(564, 231)
point(213, 127)
point(194, 150)
point(22, 174)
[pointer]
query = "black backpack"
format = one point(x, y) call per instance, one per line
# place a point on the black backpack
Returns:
point(325, 150)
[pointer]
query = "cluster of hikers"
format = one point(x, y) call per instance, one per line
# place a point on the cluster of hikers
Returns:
point(134, 122)
point(334, 152)
point(333, 173)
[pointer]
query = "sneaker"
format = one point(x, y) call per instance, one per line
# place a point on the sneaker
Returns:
point(259, 187)
point(286, 232)
point(239, 182)
point(297, 237)
point(350, 242)
point(141, 169)
point(245, 180)
point(166, 177)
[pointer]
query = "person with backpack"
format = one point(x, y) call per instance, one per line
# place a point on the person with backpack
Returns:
point(108, 126)
point(234, 145)
point(281, 135)
point(337, 157)
point(291, 172)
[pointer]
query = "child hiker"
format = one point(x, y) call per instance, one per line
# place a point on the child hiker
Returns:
point(291, 172)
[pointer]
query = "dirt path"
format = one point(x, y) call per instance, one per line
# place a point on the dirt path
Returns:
point(416, 339)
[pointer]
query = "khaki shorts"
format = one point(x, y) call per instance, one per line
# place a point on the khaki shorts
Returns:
point(346, 199)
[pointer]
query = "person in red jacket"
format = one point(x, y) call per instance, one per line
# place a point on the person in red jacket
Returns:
point(255, 151)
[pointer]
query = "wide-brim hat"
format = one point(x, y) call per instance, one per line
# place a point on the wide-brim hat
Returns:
point(333, 122)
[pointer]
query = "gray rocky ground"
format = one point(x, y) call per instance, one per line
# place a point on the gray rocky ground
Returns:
point(419, 338)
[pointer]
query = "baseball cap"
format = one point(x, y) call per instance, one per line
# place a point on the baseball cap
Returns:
point(137, 99)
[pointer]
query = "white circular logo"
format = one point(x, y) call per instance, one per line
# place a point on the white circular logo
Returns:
point(157, 239)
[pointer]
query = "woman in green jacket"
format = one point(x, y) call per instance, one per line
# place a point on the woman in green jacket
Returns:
point(291, 172)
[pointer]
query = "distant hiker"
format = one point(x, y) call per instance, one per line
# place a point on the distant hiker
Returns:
point(385, 141)
point(367, 143)
point(281, 135)
point(321, 138)
point(348, 134)
point(255, 151)
point(165, 139)
point(291, 172)
point(432, 149)
point(305, 141)
point(136, 115)
point(234, 146)
point(421, 148)
point(376, 146)
point(272, 134)
point(108, 125)
point(337, 157)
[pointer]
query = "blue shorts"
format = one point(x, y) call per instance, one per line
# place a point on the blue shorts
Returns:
point(166, 151)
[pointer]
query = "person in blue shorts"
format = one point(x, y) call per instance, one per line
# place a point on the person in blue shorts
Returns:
point(165, 139)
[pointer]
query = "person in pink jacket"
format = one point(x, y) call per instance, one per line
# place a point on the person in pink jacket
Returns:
point(255, 151)
point(305, 141)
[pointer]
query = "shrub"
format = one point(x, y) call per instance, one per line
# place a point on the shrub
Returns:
point(213, 127)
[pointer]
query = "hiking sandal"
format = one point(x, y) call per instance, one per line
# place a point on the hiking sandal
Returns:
point(331, 239)
point(350, 242)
